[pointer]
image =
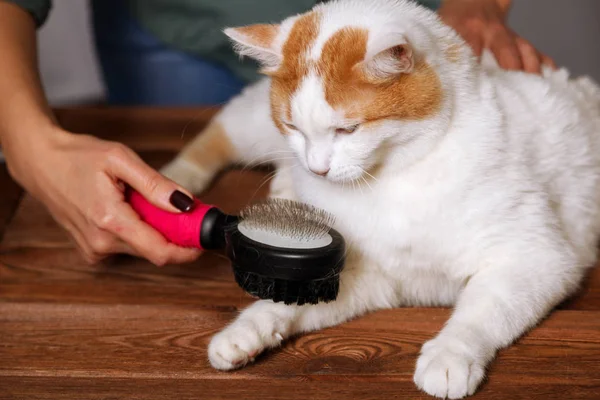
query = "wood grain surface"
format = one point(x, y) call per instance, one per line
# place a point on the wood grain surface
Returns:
point(125, 329)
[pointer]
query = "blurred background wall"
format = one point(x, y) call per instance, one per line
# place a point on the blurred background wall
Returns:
point(68, 64)
point(567, 30)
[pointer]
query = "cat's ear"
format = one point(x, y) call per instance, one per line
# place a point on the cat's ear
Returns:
point(387, 61)
point(257, 41)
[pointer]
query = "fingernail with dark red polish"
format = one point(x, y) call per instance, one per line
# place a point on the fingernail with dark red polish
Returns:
point(181, 201)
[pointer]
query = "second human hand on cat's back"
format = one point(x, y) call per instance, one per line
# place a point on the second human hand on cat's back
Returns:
point(482, 24)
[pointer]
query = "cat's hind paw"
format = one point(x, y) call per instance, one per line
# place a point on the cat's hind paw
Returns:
point(445, 371)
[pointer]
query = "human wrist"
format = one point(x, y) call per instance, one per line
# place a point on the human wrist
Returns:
point(24, 146)
point(23, 118)
point(29, 131)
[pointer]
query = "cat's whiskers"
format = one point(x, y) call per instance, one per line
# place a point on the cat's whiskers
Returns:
point(360, 187)
point(263, 181)
point(260, 155)
point(271, 175)
point(366, 182)
point(270, 160)
point(253, 163)
point(371, 176)
point(353, 185)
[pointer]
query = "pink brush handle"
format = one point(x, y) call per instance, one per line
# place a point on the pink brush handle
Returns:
point(182, 229)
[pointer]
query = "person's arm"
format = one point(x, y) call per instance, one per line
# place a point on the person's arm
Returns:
point(483, 25)
point(79, 178)
point(22, 102)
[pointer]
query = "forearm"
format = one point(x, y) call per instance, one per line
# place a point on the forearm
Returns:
point(24, 111)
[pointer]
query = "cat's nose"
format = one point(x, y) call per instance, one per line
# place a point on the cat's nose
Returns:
point(318, 159)
point(320, 172)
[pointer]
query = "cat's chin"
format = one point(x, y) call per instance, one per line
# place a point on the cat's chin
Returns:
point(344, 179)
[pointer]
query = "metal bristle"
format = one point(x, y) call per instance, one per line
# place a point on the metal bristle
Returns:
point(288, 218)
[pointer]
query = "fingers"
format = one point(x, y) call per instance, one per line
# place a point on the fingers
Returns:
point(532, 60)
point(125, 165)
point(179, 255)
point(475, 41)
point(95, 244)
point(84, 249)
point(131, 234)
point(99, 245)
point(482, 24)
point(143, 240)
point(122, 232)
point(505, 49)
point(546, 60)
point(514, 52)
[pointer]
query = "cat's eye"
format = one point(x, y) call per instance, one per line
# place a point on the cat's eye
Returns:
point(348, 130)
point(290, 126)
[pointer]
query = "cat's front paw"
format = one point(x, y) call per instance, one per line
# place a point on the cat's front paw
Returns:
point(239, 343)
point(282, 186)
point(187, 174)
point(446, 369)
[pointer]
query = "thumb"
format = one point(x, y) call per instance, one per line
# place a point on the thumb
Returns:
point(162, 192)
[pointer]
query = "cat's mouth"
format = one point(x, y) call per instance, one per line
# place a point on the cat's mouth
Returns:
point(352, 174)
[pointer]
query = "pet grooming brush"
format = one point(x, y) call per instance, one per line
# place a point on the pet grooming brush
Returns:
point(280, 249)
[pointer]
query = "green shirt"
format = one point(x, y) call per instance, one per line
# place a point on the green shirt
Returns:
point(39, 9)
point(196, 26)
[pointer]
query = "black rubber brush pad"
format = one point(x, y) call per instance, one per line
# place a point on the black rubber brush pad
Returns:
point(288, 292)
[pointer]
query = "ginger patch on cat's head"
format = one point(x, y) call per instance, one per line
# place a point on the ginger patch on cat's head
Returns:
point(294, 66)
point(365, 78)
point(393, 83)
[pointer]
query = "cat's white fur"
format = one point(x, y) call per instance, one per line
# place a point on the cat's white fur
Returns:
point(492, 205)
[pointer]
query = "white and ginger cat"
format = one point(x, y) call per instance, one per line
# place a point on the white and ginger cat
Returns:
point(454, 184)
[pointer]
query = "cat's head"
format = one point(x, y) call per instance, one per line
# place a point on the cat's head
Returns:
point(347, 83)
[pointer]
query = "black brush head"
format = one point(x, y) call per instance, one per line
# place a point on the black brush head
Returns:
point(287, 252)
point(288, 292)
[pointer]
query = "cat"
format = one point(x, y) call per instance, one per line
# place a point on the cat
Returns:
point(454, 182)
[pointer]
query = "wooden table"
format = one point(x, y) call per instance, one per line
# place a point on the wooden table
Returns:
point(126, 329)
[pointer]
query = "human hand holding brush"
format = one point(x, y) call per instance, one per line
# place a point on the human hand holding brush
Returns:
point(82, 182)
point(80, 179)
